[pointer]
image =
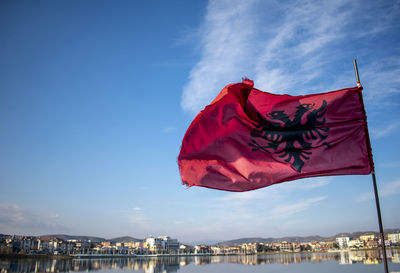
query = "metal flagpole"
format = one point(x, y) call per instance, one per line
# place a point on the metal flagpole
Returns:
point(378, 208)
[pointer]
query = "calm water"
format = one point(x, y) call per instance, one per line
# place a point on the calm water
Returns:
point(355, 262)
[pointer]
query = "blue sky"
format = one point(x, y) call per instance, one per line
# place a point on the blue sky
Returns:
point(95, 98)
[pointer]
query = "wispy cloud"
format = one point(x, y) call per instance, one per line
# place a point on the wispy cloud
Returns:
point(293, 55)
point(381, 79)
point(169, 129)
point(308, 183)
point(391, 164)
point(384, 131)
point(295, 51)
point(242, 197)
point(235, 210)
point(226, 51)
point(388, 189)
point(285, 211)
point(14, 218)
point(275, 191)
point(137, 216)
point(391, 188)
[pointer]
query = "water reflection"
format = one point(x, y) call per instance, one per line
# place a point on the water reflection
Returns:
point(172, 264)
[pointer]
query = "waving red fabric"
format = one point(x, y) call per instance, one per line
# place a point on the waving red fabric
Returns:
point(248, 139)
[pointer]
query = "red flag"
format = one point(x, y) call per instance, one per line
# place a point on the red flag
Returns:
point(248, 139)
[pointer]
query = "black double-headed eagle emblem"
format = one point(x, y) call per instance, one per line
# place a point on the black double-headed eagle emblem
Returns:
point(291, 139)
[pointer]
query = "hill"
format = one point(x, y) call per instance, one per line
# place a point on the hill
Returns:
point(124, 239)
point(92, 238)
point(302, 239)
point(75, 237)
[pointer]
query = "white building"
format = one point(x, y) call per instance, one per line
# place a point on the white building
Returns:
point(394, 238)
point(343, 242)
point(153, 243)
point(161, 243)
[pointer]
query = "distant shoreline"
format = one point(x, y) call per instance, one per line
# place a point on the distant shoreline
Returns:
point(100, 256)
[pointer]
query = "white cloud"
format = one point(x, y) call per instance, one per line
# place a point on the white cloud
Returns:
point(308, 183)
point(365, 196)
point(387, 189)
point(244, 196)
point(381, 79)
point(137, 217)
point(227, 47)
point(382, 132)
point(275, 191)
point(290, 46)
point(271, 194)
point(169, 129)
point(14, 218)
point(231, 213)
point(391, 188)
point(293, 55)
point(285, 211)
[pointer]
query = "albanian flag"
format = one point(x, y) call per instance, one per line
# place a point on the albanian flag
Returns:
point(248, 139)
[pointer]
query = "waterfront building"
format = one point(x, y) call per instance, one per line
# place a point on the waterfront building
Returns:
point(250, 248)
point(379, 242)
point(169, 243)
point(296, 247)
point(204, 249)
point(48, 245)
point(327, 245)
point(216, 250)
point(286, 246)
point(394, 238)
point(342, 242)
point(82, 247)
point(121, 249)
point(372, 244)
point(274, 246)
point(65, 247)
point(305, 246)
point(161, 243)
point(356, 243)
point(133, 245)
point(29, 244)
point(106, 244)
point(153, 243)
point(315, 246)
point(367, 237)
point(185, 249)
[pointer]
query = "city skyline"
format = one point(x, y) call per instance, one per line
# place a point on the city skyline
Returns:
point(95, 98)
point(31, 244)
point(291, 238)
